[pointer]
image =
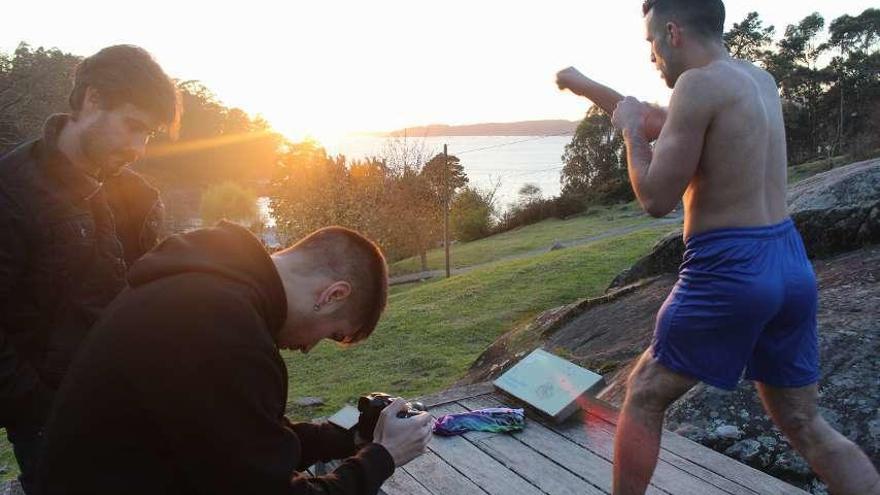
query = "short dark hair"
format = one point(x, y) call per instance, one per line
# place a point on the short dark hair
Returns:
point(344, 254)
point(128, 74)
point(705, 17)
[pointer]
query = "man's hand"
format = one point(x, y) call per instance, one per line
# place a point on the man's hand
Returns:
point(572, 80)
point(631, 114)
point(654, 122)
point(403, 438)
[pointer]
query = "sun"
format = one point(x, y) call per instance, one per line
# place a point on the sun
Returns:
point(328, 134)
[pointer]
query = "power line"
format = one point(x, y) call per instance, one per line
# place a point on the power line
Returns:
point(511, 143)
point(507, 170)
point(521, 172)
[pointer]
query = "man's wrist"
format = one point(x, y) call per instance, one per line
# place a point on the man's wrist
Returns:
point(584, 87)
point(631, 132)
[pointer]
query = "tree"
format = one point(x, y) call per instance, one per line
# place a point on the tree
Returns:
point(854, 34)
point(34, 84)
point(856, 88)
point(418, 192)
point(309, 191)
point(471, 214)
point(412, 213)
point(216, 144)
point(445, 176)
point(229, 201)
point(749, 39)
point(529, 193)
point(594, 164)
point(801, 82)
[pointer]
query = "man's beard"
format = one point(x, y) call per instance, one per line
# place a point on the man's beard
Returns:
point(670, 75)
point(100, 154)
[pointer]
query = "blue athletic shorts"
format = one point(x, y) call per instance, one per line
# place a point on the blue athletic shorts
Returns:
point(745, 299)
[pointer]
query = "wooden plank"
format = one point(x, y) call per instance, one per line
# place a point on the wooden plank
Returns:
point(704, 474)
point(402, 483)
point(466, 458)
point(536, 467)
point(556, 447)
point(541, 471)
point(438, 477)
point(456, 393)
point(605, 412)
point(675, 448)
point(597, 435)
point(573, 457)
point(731, 469)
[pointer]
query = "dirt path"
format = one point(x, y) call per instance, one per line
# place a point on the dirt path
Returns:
point(579, 241)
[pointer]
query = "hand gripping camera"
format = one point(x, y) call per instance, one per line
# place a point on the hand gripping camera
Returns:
point(371, 406)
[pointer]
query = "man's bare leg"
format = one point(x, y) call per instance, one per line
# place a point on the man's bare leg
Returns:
point(838, 462)
point(650, 390)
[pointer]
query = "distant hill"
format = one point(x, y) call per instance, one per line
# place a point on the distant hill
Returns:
point(525, 128)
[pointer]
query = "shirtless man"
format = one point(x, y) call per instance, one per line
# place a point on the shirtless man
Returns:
point(746, 296)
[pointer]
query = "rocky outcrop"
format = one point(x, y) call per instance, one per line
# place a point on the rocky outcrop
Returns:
point(836, 211)
point(665, 257)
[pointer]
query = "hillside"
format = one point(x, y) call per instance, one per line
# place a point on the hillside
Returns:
point(524, 128)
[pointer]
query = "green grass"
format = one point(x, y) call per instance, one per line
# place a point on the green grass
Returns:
point(8, 466)
point(529, 238)
point(803, 171)
point(432, 332)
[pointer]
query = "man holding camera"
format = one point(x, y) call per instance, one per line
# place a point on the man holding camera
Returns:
point(746, 297)
point(180, 387)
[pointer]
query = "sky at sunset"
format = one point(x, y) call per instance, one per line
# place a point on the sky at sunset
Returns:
point(323, 68)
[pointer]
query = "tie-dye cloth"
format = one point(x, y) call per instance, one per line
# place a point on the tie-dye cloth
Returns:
point(493, 419)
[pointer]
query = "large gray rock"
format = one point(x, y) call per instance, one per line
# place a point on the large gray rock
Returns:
point(665, 257)
point(838, 210)
point(835, 212)
point(11, 488)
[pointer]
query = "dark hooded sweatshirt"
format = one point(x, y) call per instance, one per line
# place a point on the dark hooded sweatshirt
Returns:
point(180, 388)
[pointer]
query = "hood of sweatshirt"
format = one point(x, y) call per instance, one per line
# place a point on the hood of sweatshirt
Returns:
point(228, 250)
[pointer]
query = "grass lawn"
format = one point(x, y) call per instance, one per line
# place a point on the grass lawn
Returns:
point(8, 466)
point(432, 332)
point(529, 238)
point(800, 172)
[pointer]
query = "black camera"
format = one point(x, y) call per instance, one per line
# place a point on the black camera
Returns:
point(371, 406)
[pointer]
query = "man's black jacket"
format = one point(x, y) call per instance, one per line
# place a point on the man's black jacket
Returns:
point(64, 246)
point(180, 388)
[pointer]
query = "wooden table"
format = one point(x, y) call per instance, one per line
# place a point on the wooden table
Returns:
point(570, 458)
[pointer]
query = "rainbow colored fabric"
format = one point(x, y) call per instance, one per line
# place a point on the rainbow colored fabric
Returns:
point(493, 419)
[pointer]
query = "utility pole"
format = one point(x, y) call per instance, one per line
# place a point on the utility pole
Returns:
point(446, 207)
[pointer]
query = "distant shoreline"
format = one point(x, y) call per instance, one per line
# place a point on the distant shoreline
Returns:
point(524, 128)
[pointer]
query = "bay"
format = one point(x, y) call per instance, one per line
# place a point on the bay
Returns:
point(512, 160)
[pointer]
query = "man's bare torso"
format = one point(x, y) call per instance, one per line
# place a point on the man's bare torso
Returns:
point(741, 178)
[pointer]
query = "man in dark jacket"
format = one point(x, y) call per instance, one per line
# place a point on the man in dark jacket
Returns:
point(72, 218)
point(180, 388)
